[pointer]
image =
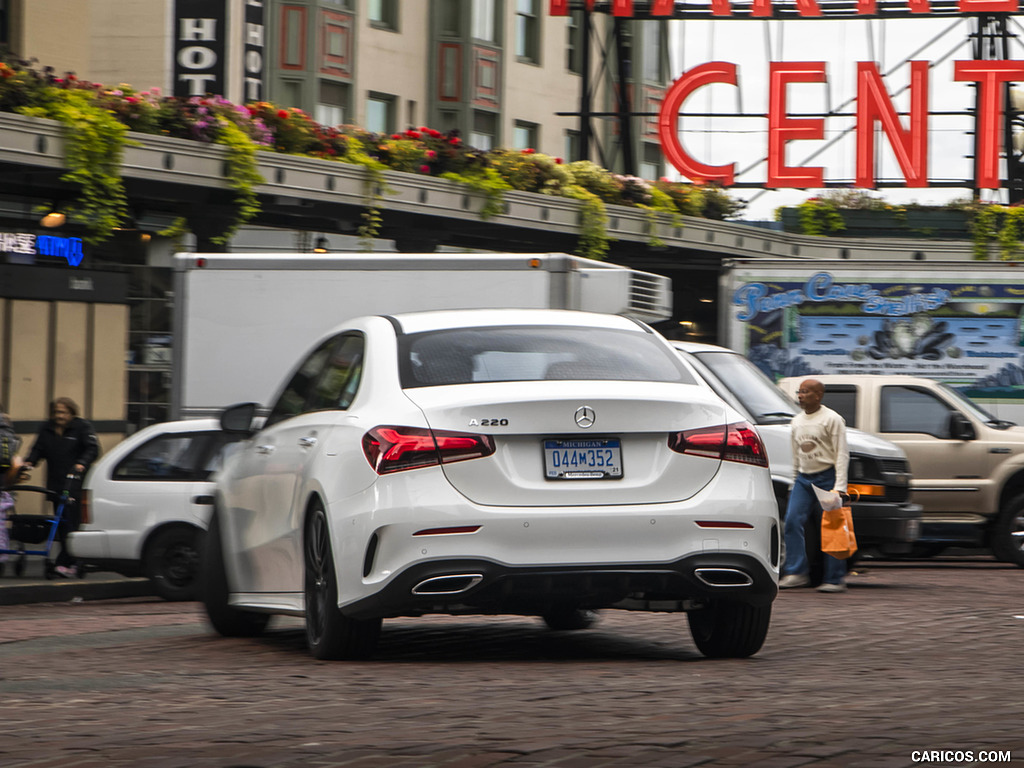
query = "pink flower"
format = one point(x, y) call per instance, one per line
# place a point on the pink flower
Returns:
point(424, 169)
point(431, 154)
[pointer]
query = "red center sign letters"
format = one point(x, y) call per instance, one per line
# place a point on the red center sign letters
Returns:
point(874, 105)
point(909, 142)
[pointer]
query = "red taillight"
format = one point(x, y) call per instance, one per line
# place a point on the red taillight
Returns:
point(736, 442)
point(394, 449)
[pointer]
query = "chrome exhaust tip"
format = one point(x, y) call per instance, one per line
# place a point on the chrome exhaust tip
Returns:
point(724, 577)
point(452, 584)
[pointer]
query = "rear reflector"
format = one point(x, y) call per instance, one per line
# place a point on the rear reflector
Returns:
point(448, 531)
point(737, 442)
point(394, 449)
point(83, 506)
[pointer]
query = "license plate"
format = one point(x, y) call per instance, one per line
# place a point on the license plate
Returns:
point(596, 459)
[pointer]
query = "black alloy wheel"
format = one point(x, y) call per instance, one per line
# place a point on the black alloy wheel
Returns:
point(329, 633)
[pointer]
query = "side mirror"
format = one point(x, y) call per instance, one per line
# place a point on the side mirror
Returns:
point(238, 418)
point(960, 427)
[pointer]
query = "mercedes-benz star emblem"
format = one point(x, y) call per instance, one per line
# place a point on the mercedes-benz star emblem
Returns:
point(585, 416)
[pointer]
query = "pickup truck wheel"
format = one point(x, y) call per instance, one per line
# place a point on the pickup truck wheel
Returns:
point(225, 618)
point(729, 630)
point(1007, 537)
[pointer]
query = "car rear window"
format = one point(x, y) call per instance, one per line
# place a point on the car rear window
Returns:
point(535, 353)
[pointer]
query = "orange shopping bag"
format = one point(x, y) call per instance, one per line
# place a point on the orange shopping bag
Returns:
point(837, 536)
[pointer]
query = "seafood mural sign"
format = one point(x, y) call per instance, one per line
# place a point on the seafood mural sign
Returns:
point(958, 324)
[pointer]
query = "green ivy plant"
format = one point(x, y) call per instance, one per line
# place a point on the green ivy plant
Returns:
point(94, 143)
point(819, 217)
point(242, 174)
point(593, 239)
point(983, 230)
point(489, 183)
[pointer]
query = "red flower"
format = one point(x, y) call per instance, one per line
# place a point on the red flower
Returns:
point(558, 161)
point(434, 134)
point(283, 114)
point(455, 140)
point(529, 151)
point(431, 154)
point(396, 136)
point(413, 134)
point(424, 169)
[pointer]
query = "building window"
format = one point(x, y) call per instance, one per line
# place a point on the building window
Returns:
point(451, 18)
point(653, 49)
point(383, 13)
point(485, 130)
point(332, 104)
point(572, 146)
point(524, 135)
point(650, 166)
point(574, 43)
point(380, 113)
point(528, 30)
point(485, 20)
point(448, 120)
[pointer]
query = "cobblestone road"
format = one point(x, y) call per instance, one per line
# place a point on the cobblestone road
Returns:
point(914, 657)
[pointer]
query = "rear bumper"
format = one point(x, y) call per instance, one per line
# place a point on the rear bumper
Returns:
point(890, 528)
point(475, 586)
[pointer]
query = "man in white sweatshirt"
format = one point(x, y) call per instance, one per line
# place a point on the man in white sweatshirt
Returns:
point(821, 458)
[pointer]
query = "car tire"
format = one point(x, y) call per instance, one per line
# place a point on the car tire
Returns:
point(725, 629)
point(567, 619)
point(228, 620)
point(172, 561)
point(1007, 536)
point(329, 633)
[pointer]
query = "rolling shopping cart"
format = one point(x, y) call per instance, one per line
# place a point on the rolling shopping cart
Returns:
point(39, 530)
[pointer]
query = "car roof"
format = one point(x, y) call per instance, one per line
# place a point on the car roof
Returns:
point(185, 425)
point(853, 378)
point(696, 346)
point(418, 322)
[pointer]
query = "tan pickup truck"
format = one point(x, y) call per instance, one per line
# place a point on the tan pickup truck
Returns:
point(967, 465)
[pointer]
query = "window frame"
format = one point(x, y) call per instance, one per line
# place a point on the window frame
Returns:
point(388, 19)
point(942, 431)
point(527, 43)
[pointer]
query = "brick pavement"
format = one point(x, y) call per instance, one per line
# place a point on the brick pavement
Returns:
point(911, 658)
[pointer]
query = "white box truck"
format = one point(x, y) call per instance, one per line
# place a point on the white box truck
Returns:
point(960, 323)
point(243, 319)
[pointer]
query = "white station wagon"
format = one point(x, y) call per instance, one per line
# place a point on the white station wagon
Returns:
point(532, 462)
point(148, 502)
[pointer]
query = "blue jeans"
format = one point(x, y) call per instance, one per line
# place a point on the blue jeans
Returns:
point(802, 504)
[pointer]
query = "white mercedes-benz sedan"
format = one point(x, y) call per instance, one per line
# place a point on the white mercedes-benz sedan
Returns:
point(534, 462)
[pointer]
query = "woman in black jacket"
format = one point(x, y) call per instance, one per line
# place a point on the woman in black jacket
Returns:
point(69, 446)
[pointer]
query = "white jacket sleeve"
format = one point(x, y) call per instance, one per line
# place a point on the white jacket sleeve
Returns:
point(842, 454)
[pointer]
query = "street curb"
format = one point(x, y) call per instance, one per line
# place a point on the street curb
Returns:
point(66, 590)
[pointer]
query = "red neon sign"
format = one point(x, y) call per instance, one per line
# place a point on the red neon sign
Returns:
point(804, 8)
point(783, 129)
point(874, 105)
